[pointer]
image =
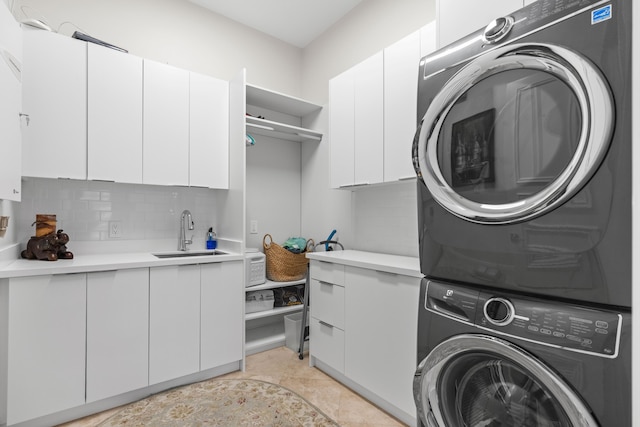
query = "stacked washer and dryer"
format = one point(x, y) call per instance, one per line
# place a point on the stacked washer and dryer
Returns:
point(523, 154)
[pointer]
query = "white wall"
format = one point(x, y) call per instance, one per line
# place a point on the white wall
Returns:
point(179, 33)
point(366, 29)
point(185, 35)
point(381, 218)
point(83, 210)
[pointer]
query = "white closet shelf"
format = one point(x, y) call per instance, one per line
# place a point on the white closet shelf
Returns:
point(277, 101)
point(269, 284)
point(280, 130)
point(273, 311)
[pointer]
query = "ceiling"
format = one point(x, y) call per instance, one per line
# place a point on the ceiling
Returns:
point(297, 22)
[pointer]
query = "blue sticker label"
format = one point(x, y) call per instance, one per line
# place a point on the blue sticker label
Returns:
point(601, 14)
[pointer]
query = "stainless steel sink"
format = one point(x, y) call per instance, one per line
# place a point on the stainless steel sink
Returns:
point(187, 254)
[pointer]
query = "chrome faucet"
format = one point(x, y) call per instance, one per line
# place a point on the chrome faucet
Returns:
point(183, 241)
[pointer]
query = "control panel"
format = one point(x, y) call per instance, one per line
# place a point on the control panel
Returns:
point(557, 324)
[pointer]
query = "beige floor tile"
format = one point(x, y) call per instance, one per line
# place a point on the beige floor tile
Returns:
point(282, 366)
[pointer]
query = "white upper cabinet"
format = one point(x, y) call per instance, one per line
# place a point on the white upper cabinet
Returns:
point(373, 109)
point(114, 115)
point(208, 132)
point(369, 114)
point(10, 105)
point(54, 96)
point(165, 125)
point(341, 124)
point(356, 124)
point(453, 25)
point(400, 101)
point(427, 40)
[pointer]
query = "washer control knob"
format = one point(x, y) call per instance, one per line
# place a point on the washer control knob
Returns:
point(497, 29)
point(499, 311)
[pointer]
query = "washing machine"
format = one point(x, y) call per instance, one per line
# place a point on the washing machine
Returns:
point(523, 154)
point(489, 358)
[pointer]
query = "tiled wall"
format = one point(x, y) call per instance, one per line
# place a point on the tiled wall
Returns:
point(83, 209)
point(385, 219)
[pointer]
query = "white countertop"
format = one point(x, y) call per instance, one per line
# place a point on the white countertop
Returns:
point(104, 262)
point(408, 266)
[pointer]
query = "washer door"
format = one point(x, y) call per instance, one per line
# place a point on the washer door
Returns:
point(514, 133)
point(478, 381)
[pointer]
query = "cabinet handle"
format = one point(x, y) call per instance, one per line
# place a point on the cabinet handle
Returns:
point(326, 283)
point(325, 324)
point(26, 117)
point(356, 184)
point(407, 178)
point(388, 273)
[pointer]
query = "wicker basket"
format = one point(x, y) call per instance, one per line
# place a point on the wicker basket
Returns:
point(283, 265)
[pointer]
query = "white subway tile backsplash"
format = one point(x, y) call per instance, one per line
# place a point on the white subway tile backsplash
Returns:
point(84, 208)
point(385, 219)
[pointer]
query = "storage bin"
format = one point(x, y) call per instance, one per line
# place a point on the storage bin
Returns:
point(292, 326)
point(258, 301)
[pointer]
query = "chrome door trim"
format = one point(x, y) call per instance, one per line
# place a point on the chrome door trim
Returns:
point(596, 105)
point(427, 377)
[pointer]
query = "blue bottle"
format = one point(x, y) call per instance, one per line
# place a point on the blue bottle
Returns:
point(212, 242)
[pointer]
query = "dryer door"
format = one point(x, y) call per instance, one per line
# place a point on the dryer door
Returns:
point(514, 133)
point(478, 380)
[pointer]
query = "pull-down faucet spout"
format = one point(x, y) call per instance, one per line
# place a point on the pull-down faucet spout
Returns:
point(182, 240)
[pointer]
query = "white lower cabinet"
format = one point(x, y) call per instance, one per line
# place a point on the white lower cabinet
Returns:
point(381, 311)
point(327, 323)
point(67, 340)
point(117, 332)
point(364, 327)
point(174, 322)
point(46, 344)
point(222, 298)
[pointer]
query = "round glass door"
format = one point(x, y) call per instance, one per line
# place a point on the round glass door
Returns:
point(515, 133)
point(477, 380)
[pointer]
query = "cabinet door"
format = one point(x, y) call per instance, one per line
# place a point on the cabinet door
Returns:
point(174, 322)
point(381, 312)
point(326, 343)
point(341, 128)
point(368, 121)
point(401, 64)
point(208, 132)
point(10, 105)
point(222, 298)
point(117, 332)
point(328, 303)
point(453, 25)
point(114, 115)
point(46, 351)
point(54, 95)
point(165, 125)
point(428, 39)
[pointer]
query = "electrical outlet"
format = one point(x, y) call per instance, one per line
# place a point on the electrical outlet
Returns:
point(115, 229)
point(253, 227)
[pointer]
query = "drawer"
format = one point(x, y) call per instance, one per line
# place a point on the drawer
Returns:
point(326, 343)
point(327, 302)
point(327, 272)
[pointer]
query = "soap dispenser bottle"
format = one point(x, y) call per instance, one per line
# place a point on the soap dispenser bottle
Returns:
point(212, 243)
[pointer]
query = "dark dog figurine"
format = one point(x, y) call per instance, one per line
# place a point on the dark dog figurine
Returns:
point(48, 248)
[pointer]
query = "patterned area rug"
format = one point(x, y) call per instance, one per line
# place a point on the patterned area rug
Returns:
point(222, 403)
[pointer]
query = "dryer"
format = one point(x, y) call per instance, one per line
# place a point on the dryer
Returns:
point(494, 359)
point(523, 154)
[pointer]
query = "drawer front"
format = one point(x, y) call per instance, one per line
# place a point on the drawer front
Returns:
point(327, 303)
point(326, 343)
point(327, 272)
